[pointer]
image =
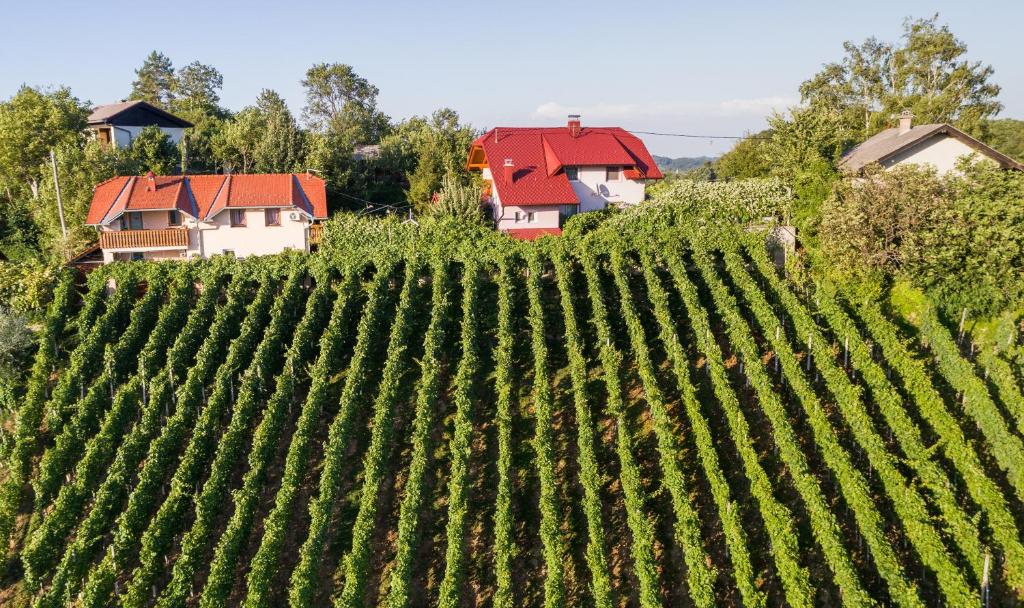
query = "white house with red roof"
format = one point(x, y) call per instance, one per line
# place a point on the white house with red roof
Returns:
point(537, 177)
point(163, 217)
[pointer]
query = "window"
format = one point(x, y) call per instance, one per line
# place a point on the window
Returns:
point(174, 218)
point(529, 217)
point(229, 252)
point(572, 173)
point(271, 217)
point(131, 220)
point(613, 174)
point(138, 256)
point(519, 217)
point(238, 217)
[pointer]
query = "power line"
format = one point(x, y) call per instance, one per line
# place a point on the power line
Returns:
point(692, 136)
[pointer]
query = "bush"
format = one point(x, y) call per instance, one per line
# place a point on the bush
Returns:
point(960, 237)
point(25, 287)
point(15, 342)
point(583, 223)
point(458, 200)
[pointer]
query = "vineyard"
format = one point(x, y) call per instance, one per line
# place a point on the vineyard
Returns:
point(432, 418)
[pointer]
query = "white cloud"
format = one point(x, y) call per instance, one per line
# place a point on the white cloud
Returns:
point(760, 106)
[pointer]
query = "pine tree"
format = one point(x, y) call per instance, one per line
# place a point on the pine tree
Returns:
point(155, 81)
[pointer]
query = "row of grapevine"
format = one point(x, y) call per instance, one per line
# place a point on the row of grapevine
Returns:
point(264, 443)
point(959, 451)
point(906, 499)
point(777, 518)
point(355, 565)
point(458, 490)
point(30, 413)
point(635, 497)
point(87, 359)
point(163, 453)
point(115, 485)
point(590, 475)
point(851, 483)
point(93, 303)
point(426, 401)
point(687, 528)
point(976, 402)
point(1000, 374)
point(260, 577)
point(917, 455)
point(735, 536)
point(304, 578)
point(504, 546)
point(214, 496)
point(88, 411)
point(159, 535)
point(543, 442)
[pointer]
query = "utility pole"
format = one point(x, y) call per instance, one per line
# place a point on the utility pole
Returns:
point(60, 203)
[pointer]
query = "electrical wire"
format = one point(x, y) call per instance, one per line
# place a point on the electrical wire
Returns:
point(692, 136)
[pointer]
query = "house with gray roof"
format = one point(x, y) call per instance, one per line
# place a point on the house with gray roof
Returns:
point(120, 123)
point(939, 145)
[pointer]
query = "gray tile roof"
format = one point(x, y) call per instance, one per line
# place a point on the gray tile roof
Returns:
point(881, 146)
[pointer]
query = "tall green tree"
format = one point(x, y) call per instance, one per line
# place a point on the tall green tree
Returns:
point(32, 122)
point(438, 145)
point(197, 89)
point(748, 158)
point(339, 100)
point(152, 150)
point(155, 82)
point(925, 72)
point(1007, 136)
point(263, 138)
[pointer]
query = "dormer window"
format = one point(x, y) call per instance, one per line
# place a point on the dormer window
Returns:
point(572, 174)
point(613, 174)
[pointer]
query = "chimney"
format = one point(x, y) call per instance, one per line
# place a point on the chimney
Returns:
point(574, 125)
point(509, 170)
point(906, 118)
point(150, 181)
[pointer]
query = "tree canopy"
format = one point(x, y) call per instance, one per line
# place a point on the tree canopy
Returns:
point(926, 72)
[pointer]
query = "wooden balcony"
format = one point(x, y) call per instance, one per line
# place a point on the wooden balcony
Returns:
point(163, 238)
point(316, 233)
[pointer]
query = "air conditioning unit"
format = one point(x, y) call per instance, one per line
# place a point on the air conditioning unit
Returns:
point(293, 216)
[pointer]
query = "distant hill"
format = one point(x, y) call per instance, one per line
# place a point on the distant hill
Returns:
point(681, 164)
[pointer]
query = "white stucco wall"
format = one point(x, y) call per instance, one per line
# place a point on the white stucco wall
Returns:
point(254, 238)
point(592, 190)
point(123, 136)
point(544, 216)
point(217, 235)
point(942, 152)
point(595, 192)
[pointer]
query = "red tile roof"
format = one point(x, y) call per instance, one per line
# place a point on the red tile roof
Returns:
point(203, 196)
point(529, 234)
point(539, 156)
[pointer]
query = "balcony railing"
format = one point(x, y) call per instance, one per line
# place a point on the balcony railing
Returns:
point(145, 239)
point(316, 233)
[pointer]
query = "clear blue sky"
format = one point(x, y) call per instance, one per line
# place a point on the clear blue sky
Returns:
point(713, 67)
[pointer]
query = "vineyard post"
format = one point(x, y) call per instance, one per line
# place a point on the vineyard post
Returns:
point(984, 579)
point(963, 319)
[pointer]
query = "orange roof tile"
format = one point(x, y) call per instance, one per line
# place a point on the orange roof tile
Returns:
point(204, 196)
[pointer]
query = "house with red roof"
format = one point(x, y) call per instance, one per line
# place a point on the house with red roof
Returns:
point(535, 178)
point(161, 217)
